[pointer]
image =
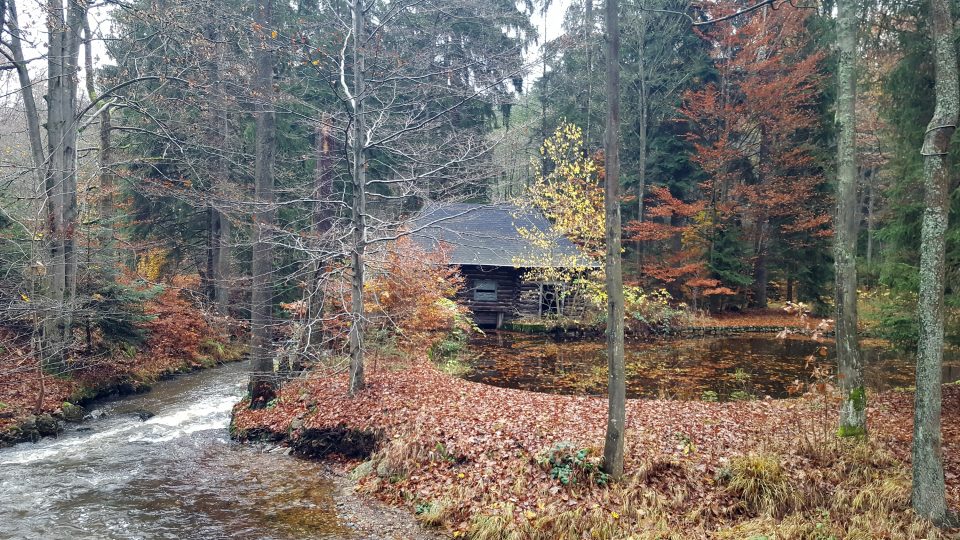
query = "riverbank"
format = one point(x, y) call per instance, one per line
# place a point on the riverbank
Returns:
point(178, 474)
point(486, 462)
point(180, 338)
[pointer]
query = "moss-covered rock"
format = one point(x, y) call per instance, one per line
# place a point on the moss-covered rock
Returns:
point(71, 412)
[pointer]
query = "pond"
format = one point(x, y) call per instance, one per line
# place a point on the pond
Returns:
point(712, 368)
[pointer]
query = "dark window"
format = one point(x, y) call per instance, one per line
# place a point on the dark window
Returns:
point(485, 291)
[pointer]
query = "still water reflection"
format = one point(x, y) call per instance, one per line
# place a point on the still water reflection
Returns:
point(693, 368)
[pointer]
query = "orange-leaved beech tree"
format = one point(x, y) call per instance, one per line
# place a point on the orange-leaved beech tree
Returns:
point(408, 296)
point(412, 291)
point(752, 133)
point(673, 227)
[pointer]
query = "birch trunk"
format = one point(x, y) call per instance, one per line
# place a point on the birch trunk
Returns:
point(853, 420)
point(928, 482)
point(616, 411)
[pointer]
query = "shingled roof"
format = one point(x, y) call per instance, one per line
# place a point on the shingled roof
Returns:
point(487, 234)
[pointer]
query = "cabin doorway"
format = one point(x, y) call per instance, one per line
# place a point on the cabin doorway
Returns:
point(488, 319)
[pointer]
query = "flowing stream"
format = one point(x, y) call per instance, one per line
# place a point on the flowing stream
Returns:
point(173, 475)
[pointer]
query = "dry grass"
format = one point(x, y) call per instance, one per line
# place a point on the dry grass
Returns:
point(760, 482)
point(856, 491)
point(860, 492)
point(437, 512)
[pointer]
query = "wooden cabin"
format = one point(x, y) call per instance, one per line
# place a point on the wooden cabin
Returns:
point(486, 242)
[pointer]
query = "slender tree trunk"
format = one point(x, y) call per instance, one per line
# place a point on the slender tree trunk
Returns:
point(760, 280)
point(322, 220)
point(39, 252)
point(221, 256)
point(26, 91)
point(104, 158)
point(643, 107)
point(853, 412)
point(928, 482)
point(616, 412)
point(587, 40)
point(222, 263)
point(359, 200)
point(543, 96)
point(263, 386)
point(54, 336)
point(213, 232)
point(760, 274)
point(870, 202)
point(3, 22)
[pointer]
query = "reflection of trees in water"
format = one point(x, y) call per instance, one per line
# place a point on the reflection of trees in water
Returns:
point(681, 368)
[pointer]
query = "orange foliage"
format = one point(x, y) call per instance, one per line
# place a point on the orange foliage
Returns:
point(409, 292)
point(412, 288)
point(177, 331)
point(751, 133)
point(668, 217)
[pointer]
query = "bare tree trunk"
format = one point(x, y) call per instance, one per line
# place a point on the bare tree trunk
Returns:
point(543, 95)
point(3, 24)
point(928, 482)
point(853, 411)
point(64, 28)
point(26, 91)
point(322, 217)
point(221, 257)
point(760, 274)
point(359, 200)
point(760, 279)
point(587, 40)
point(616, 411)
point(104, 157)
point(222, 263)
point(263, 386)
point(213, 232)
point(38, 256)
point(642, 130)
point(870, 205)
